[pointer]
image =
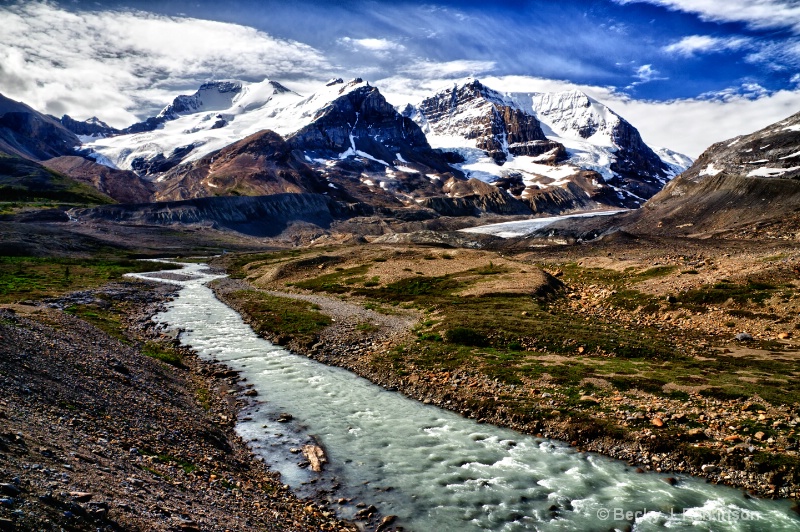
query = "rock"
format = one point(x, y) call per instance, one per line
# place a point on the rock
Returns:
point(744, 337)
point(784, 335)
point(695, 434)
point(9, 489)
point(285, 418)
point(316, 457)
point(709, 468)
point(589, 399)
point(657, 422)
point(759, 435)
point(251, 393)
point(385, 523)
point(366, 512)
point(80, 496)
point(671, 481)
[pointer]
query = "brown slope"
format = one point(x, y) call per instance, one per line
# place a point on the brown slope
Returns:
point(751, 179)
point(122, 185)
point(28, 133)
point(259, 165)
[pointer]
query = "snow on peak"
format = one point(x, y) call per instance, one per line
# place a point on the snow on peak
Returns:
point(218, 114)
point(575, 115)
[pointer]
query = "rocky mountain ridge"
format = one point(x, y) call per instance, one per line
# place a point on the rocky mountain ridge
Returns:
point(731, 185)
point(540, 141)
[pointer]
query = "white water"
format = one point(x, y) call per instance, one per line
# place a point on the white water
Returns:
point(446, 473)
point(526, 227)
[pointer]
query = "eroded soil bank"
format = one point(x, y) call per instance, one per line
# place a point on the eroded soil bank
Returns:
point(108, 425)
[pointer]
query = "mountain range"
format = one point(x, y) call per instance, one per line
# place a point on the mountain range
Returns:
point(464, 151)
point(539, 153)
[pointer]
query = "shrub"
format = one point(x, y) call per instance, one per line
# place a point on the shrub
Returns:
point(466, 336)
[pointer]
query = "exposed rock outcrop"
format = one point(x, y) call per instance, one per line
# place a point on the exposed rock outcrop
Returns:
point(745, 180)
point(257, 216)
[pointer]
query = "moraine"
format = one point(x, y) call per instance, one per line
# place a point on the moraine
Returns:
point(430, 467)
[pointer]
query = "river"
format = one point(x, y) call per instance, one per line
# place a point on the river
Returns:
point(434, 469)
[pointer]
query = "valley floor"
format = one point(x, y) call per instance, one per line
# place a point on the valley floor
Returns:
point(677, 356)
point(107, 425)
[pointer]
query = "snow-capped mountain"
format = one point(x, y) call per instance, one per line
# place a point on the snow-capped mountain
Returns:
point(543, 140)
point(346, 134)
point(543, 152)
point(88, 129)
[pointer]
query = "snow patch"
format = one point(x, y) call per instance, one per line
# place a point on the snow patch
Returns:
point(710, 170)
point(771, 172)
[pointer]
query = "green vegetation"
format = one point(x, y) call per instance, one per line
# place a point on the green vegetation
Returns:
point(36, 277)
point(283, 317)
point(164, 354)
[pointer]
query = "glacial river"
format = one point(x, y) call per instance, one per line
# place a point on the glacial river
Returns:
point(434, 469)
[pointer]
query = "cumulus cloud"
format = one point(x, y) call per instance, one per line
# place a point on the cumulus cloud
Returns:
point(119, 65)
point(757, 14)
point(701, 44)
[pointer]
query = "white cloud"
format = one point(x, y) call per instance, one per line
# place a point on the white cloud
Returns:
point(647, 73)
point(118, 64)
point(758, 14)
point(373, 45)
point(448, 69)
point(748, 90)
point(699, 44)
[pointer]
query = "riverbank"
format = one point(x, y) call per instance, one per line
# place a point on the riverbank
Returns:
point(677, 430)
point(110, 425)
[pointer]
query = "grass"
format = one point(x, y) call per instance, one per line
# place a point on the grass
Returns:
point(164, 354)
point(515, 338)
point(37, 277)
point(283, 317)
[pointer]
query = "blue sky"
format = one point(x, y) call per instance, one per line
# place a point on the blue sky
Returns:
point(729, 66)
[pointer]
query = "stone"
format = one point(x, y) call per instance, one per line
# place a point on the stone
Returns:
point(744, 337)
point(709, 468)
point(9, 489)
point(759, 435)
point(80, 496)
point(366, 512)
point(316, 457)
point(386, 523)
point(656, 421)
point(285, 418)
point(251, 393)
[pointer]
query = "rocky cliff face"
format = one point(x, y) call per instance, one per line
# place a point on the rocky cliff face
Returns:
point(745, 180)
point(477, 113)
point(360, 120)
point(93, 127)
point(263, 216)
point(31, 134)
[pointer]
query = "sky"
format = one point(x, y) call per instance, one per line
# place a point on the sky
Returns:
point(686, 73)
